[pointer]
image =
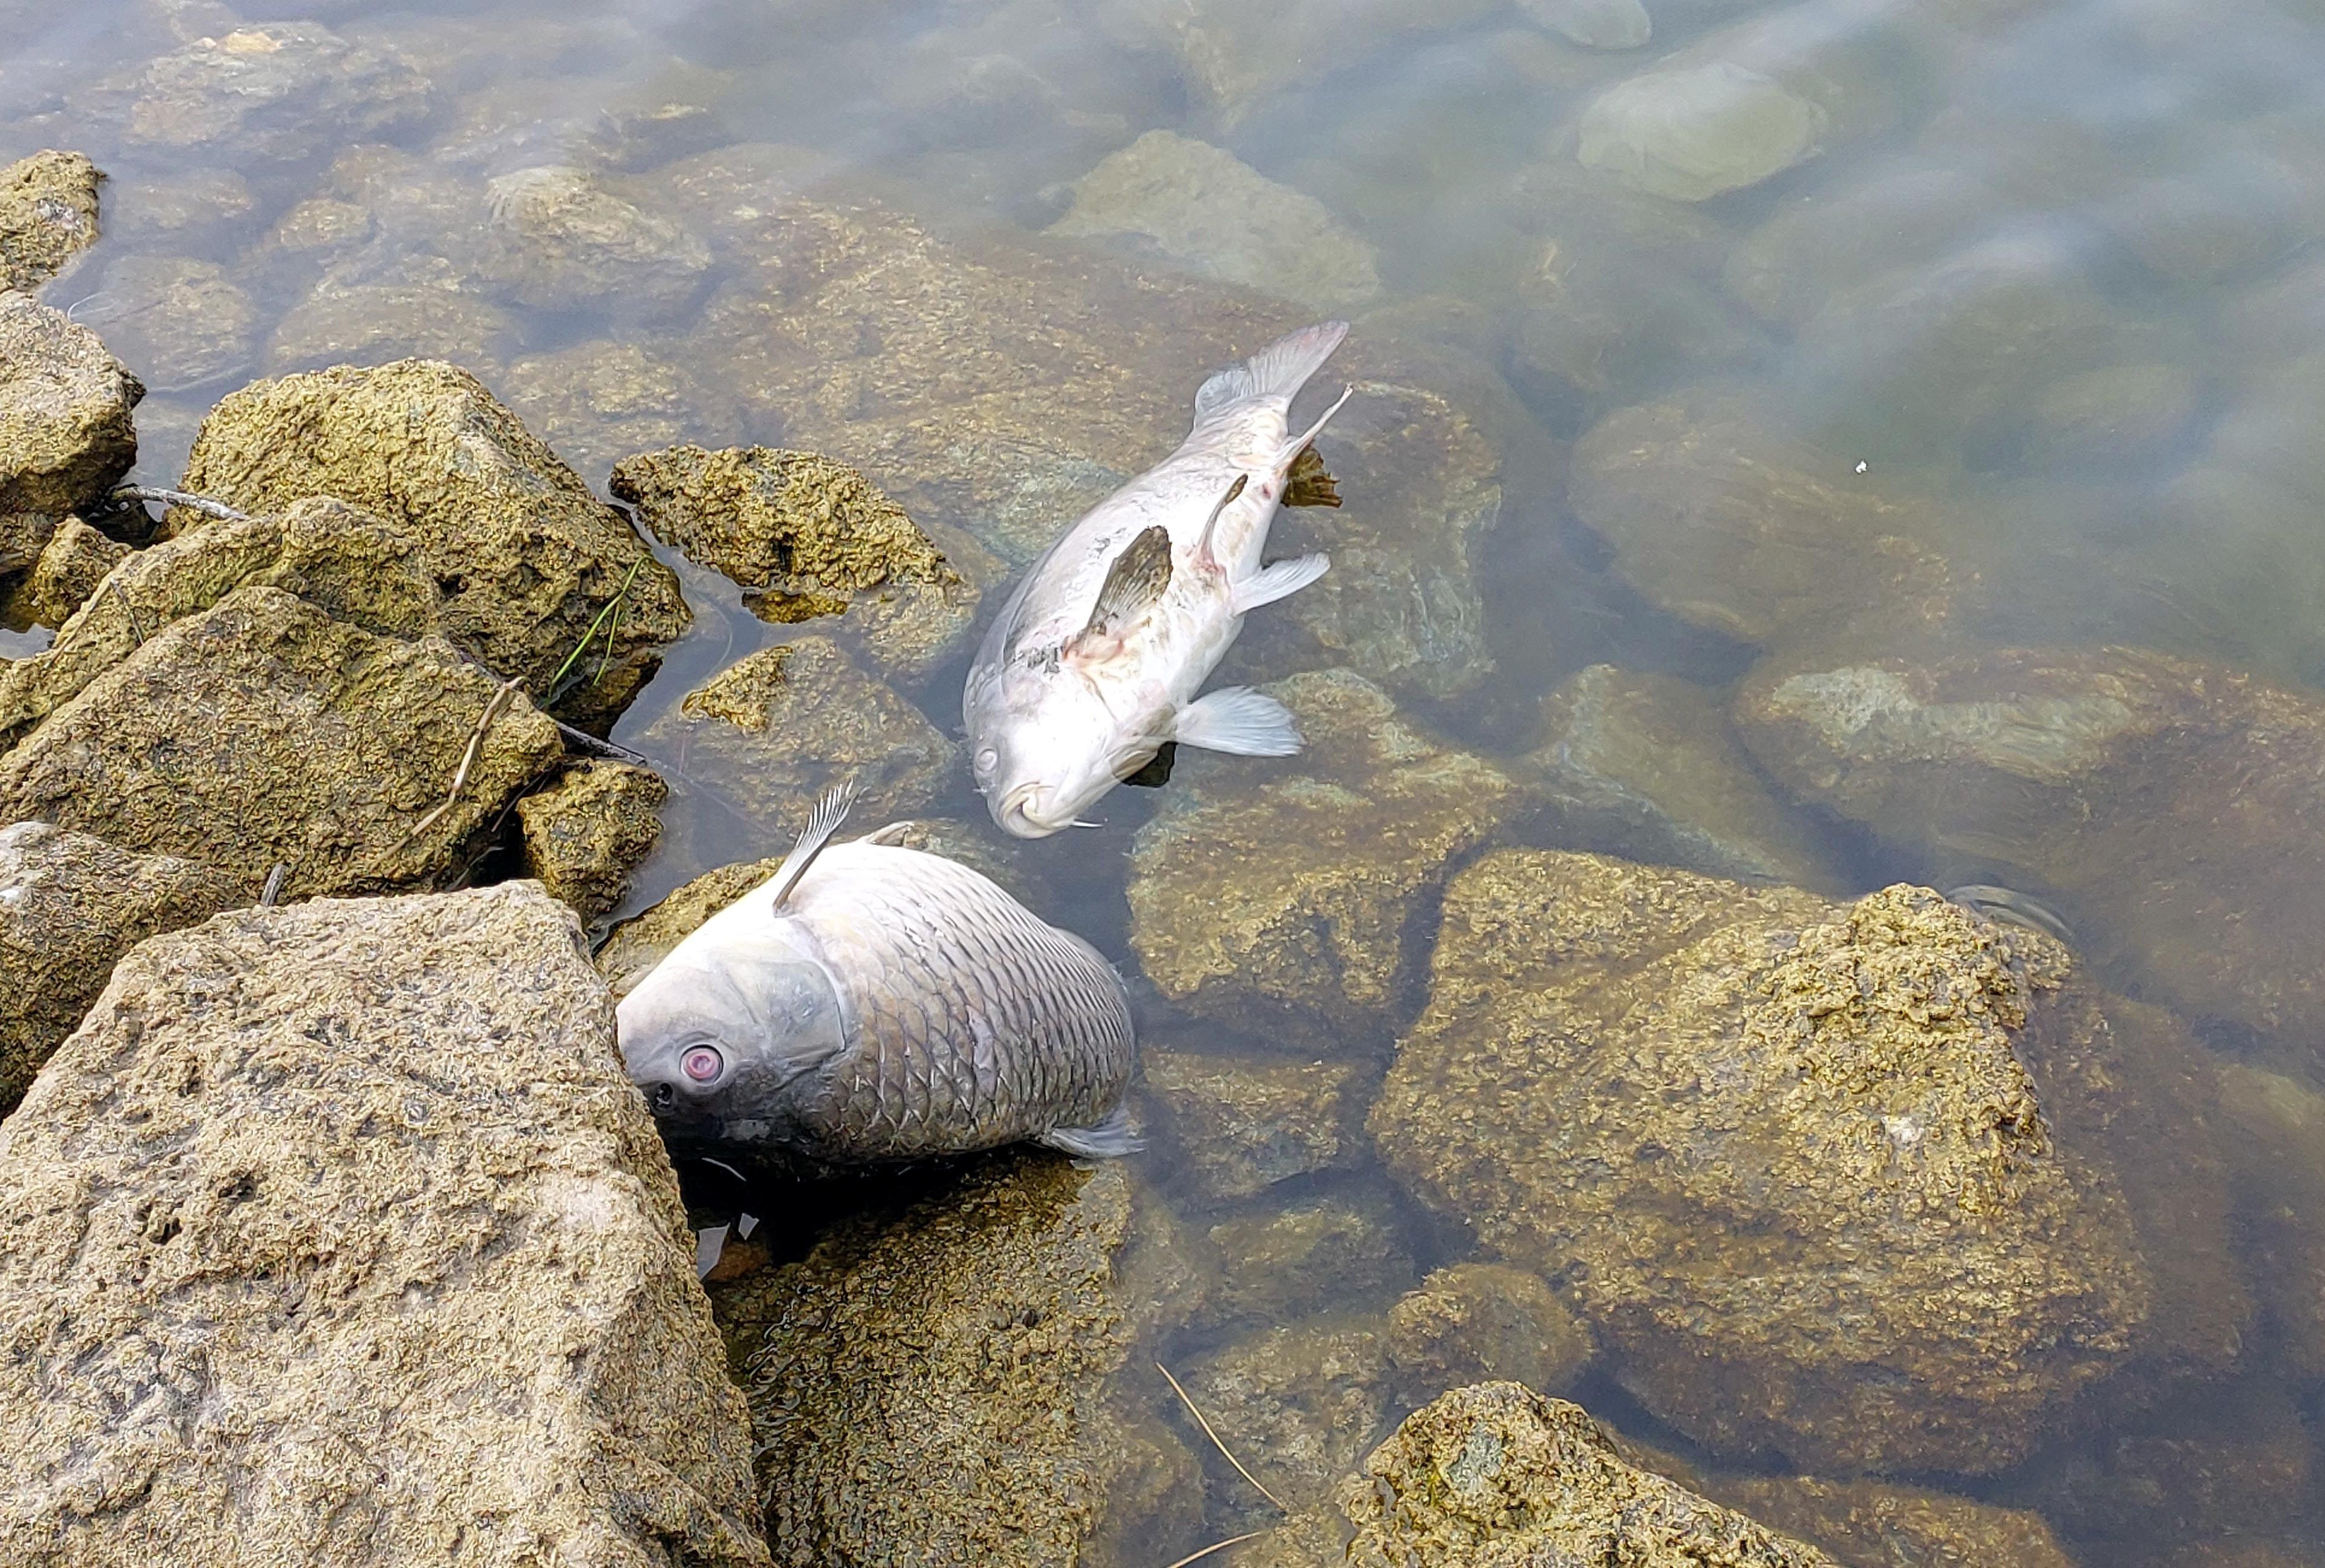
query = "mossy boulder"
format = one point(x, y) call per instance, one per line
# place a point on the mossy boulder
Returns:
point(74, 562)
point(586, 833)
point(65, 432)
point(48, 216)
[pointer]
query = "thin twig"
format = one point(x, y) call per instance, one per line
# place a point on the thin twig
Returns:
point(467, 762)
point(273, 885)
point(205, 505)
point(591, 743)
point(137, 625)
point(1217, 1545)
point(1214, 1436)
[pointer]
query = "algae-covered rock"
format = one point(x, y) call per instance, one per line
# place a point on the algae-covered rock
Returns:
point(1243, 1123)
point(2169, 808)
point(599, 401)
point(1866, 1524)
point(1694, 134)
point(1300, 1403)
point(65, 432)
point(261, 730)
point(586, 833)
point(1733, 1118)
point(356, 568)
point(1279, 1262)
point(527, 557)
point(1207, 210)
point(965, 1374)
point(1484, 1323)
point(1498, 1473)
point(773, 730)
point(1647, 767)
point(338, 1236)
point(561, 238)
point(48, 216)
point(70, 907)
point(175, 321)
point(807, 537)
point(73, 562)
point(2275, 1147)
point(1279, 904)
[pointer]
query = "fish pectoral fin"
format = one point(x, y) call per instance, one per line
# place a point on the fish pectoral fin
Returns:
point(1307, 483)
point(1110, 1139)
point(1137, 579)
point(1240, 721)
point(1277, 580)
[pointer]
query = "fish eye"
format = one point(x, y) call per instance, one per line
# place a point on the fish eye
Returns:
point(987, 760)
point(702, 1063)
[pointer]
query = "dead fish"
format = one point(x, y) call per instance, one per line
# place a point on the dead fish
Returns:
point(870, 1002)
point(2011, 908)
point(1094, 662)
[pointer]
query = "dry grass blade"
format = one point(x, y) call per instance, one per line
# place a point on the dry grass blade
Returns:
point(468, 762)
point(613, 605)
point(1214, 1436)
point(1217, 1545)
point(267, 901)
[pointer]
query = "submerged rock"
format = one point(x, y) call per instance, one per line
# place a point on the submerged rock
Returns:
point(528, 559)
point(773, 730)
point(1733, 1117)
point(73, 562)
point(563, 239)
point(586, 833)
point(177, 322)
point(2276, 1145)
point(70, 907)
point(1484, 1323)
point(958, 1374)
point(2120, 414)
point(278, 1287)
point(599, 401)
point(348, 323)
point(1593, 24)
point(1281, 906)
point(1206, 209)
point(65, 432)
point(261, 730)
point(2168, 809)
point(1307, 1256)
point(1867, 1524)
point(48, 216)
point(188, 212)
point(1243, 1123)
point(806, 537)
point(1822, 243)
point(1694, 133)
point(1298, 1403)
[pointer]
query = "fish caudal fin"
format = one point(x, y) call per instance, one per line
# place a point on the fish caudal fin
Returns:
point(1277, 370)
point(822, 823)
point(1240, 721)
point(1278, 580)
point(1110, 1139)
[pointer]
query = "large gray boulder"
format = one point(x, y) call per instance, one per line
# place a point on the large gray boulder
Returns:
point(337, 1236)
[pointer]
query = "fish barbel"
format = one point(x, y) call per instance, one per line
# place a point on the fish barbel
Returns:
point(1095, 660)
point(870, 1002)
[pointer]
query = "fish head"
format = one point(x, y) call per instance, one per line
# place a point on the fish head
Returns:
point(1041, 762)
point(720, 1042)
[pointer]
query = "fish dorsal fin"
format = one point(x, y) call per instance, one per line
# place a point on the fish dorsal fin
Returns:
point(1308, 483)
point(1136, 579)
point(1211, 523)
point(822, 823)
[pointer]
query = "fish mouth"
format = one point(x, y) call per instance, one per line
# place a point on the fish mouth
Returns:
point(1017, 812)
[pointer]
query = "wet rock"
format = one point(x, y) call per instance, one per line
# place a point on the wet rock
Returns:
point(1280, 905)
point(176, 322)
point(381, 324)
point(1299, 1404)
point(2275, 1147)
point(807, 538)
point(347, 563)
point(563, 239)
point(1278, 1263)
point(189, 212)
point(322, 227)
point(527, 557)
point(70, 907)
point(73, 562)
point(498, 1342)
point(958, 1373)
point(2119, 414)
point(23, 537)
point(1484, 1323)
point(1732, 1117)
point(773, 730)
point(1647, 767)
point(48, 216)
point(1692, 135)
point(255, 95)
point(588, 832)
point(1593, 24)
point(1206, 209)
point(596, 403)
point(65, 432)
point(1822, 243)
point(2166, 809)
point(1243, 1123)
point(262, 731)
point(1870, 1523)
point(1496, 1472)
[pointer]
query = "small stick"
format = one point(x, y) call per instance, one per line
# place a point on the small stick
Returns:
point(204, 504)
point(1214, 1436)
point(467, 762)
point(595, 747)
point(136, 626)
point(273, 885)
point(1218, 1547)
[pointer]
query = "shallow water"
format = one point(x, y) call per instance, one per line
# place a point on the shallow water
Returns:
point(2038, 307)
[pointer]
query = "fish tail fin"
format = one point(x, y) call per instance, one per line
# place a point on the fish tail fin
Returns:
point(822, 823)
point(1277, 370)
point(1109, 1138)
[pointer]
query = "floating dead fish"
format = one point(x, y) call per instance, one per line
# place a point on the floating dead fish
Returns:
point(870, 1002)
point(2011, 908)
point(1094, 662)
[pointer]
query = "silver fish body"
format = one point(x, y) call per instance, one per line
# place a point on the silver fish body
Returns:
point(1096, 660)
point(890, 1005)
